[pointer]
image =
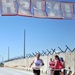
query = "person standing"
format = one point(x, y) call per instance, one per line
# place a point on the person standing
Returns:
point(37, 64)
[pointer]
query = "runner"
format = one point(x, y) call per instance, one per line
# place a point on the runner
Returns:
point(51, 63)
point(57, 65)
point(62, 66)
point(37, 64)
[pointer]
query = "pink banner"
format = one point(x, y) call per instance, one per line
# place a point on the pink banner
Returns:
point(24, 8)
point(8, 7)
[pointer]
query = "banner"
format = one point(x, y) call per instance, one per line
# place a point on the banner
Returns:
point(54, 9)
point(74, 11)
point(0, 7)
point(8, 7)
point(39, 8)
point(67, 9)
point(24, 8)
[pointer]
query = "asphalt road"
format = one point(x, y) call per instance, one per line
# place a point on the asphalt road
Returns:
point(9, 71)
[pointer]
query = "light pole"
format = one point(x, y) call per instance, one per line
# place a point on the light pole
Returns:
point(8, 53)
point(24, 42)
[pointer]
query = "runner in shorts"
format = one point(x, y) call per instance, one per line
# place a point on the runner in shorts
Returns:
point(37, 64)
point(62, 66)
point(57, 65)
point(51, 63)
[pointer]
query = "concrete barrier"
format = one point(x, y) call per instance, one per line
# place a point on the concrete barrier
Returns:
point(68, 57)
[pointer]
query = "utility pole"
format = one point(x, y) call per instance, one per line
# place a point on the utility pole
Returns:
point(8, 53)
point(24, 42)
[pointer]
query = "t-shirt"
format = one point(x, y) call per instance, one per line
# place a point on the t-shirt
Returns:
point(58, 66)
point(51, 64)
point(37, 64)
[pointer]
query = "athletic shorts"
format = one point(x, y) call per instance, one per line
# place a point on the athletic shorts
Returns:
point(36, 71)
point(57, 72)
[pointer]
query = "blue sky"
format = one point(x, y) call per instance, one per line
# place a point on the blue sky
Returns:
point(41, 34)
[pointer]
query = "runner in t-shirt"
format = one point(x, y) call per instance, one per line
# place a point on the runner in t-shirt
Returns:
point(57, 66)
point(62, 66)
point(51, 63)
point(37, 64)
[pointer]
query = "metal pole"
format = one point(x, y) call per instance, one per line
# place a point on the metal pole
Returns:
point(24, 42)
point(8, 53)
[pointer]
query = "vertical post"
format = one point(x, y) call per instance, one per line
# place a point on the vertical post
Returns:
point(24, 42)
point(8, 54)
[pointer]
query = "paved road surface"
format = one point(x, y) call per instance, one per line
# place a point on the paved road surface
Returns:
point(9, 71)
